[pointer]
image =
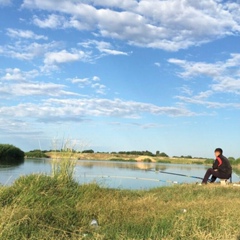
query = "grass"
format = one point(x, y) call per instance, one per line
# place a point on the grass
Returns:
point(56, 207)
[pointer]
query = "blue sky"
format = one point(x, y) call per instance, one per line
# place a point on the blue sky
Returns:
point(120, 75)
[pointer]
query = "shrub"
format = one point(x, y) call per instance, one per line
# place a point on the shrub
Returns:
point(209, 161)
point(10, 154)
point(36, 154)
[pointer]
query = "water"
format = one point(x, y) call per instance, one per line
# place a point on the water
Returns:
point(123, 175)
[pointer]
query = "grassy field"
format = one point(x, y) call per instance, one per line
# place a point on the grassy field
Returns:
point(55, 207)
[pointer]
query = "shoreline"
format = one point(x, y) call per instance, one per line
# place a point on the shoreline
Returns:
point(124, 157)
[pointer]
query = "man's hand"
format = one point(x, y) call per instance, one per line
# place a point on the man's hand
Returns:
point(215, 170)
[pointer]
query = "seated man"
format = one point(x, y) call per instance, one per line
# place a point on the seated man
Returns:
point(221, 168)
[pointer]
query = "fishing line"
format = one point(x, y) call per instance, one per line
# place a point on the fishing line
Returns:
point(176, 174)
point(127, 177)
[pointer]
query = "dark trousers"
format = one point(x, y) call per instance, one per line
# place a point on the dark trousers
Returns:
point(215, 175)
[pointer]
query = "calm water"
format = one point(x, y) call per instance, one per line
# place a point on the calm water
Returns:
point(113, 174)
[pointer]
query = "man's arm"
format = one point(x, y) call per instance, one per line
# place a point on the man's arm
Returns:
point(215, 165)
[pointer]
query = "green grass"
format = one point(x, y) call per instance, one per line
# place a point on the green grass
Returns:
point(56, 207)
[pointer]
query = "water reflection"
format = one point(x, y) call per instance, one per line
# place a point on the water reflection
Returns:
point(127, 175)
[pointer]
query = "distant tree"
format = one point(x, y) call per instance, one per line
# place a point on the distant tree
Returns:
point(10, 154)
point(88, 151)
point(188, 156)
point(35, 154)
point(163, 155)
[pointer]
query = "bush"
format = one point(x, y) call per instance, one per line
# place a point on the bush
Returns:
point(234, 162)
point(36, 154)
point(209, 161)
point(10, 154)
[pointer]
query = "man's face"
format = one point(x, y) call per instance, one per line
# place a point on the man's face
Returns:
point(217, 153)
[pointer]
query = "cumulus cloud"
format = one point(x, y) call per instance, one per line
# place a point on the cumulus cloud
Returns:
point(169, 25)
point(53, 59)
point(55, 21)
point(17, 33)
point(225, 75)
point(15, 74)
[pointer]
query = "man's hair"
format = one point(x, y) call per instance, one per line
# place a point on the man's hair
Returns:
point(219, 150)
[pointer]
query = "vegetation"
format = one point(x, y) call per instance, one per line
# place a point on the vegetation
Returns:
point(88, 151)
point(122, 160)
point(140, 153)
point(10, 154)
point(35, 154)
point(234, 161)
point(55, 207)
point(163, 161)
point(209, 161)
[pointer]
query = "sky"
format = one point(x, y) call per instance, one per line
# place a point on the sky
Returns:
point(121, 75)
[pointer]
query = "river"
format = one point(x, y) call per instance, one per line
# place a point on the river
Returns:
point(122, 175)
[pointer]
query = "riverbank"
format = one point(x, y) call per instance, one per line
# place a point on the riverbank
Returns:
point(44, 207)
point(123, 157)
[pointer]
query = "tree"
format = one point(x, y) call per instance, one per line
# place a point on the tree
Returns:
point(88, 151)
point(10, 154)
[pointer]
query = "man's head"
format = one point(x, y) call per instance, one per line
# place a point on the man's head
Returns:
point(218, 151)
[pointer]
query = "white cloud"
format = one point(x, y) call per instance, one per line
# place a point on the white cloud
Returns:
point(96, 78)
point(89, 82)
point(79, 108)
point(17, 33)
point(227, 84)
point(225, 75)
point(16, 74)
point(80, 81)
point(208, 104)
point(16, 83)
point(52, 21)
point(100, 88)
point(33, 89)
point(29, 51)
point(62, 57)
point(157, 64)
point(53, 59)
point(55, 21)
point(170, 25)
point(103, 47)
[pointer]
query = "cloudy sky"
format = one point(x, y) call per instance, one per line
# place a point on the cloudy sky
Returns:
point(115, 75)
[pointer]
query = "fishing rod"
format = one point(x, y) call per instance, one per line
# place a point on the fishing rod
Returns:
point(176, 174)
point(127, 177)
